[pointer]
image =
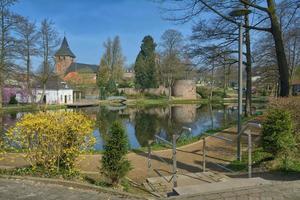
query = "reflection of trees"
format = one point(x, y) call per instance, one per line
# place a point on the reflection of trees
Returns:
point(105, 118)
point(146, 126)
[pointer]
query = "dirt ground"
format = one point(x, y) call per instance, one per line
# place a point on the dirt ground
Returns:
point(189, 158)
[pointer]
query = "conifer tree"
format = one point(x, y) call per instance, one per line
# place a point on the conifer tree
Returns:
point(115, 166)
point(145, 69)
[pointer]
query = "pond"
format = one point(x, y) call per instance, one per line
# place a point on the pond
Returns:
point(142, 124)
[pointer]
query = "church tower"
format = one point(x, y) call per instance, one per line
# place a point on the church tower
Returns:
point(64, 57)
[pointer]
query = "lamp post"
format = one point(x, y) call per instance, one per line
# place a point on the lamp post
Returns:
point(240, 12)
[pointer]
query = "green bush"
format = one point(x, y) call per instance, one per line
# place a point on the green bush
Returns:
point(204, 92)
point(277, 133)
point(219, 93)
point(115, 166)
point(13, 100)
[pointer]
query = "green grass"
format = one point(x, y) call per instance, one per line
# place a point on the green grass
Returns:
point(258, 157)
point(24, 108)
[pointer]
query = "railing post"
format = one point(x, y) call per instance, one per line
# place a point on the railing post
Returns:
point(204, 154)
point(174, 161)
point(149, 157)
point(249, 155)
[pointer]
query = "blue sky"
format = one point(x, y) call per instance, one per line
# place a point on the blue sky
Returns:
point(88, 23)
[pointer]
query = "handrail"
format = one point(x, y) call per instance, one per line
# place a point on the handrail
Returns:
point(174, 151)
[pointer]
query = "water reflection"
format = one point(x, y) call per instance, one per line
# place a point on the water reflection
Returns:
point(143, 123)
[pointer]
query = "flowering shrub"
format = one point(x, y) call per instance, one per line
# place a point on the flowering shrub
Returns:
point(53, 140)
point(2, 149)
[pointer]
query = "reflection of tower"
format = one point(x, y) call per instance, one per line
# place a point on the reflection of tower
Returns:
point(64, 57)
point(184, 114)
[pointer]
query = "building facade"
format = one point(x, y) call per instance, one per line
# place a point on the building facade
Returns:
point(80, 76)
point(57, 92)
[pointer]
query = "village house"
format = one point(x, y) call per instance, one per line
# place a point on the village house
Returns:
point(57, 92)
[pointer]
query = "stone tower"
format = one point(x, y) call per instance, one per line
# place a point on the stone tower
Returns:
point(64, 57)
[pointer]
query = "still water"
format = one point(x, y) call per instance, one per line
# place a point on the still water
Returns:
point(142, 124)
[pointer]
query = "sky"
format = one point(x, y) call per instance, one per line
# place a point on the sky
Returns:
point(87, 24)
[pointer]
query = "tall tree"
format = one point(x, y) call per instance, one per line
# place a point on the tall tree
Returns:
point(27, 47)
point(171, 67)
point(265, 13)
point(145, 66)
point(7, 41)
point(48, 43)
point(111, 67)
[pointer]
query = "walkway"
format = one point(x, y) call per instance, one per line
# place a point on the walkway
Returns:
point(30, 190)
point(275, 191)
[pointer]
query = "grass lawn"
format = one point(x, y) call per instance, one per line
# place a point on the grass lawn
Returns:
point(24, 108)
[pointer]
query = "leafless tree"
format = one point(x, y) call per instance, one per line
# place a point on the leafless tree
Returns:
point(7, 41)
point(48, 43)
point(265, 13)
point(171, 66)
point(27, 48)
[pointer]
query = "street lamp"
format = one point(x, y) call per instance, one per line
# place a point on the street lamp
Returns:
point(240, 12)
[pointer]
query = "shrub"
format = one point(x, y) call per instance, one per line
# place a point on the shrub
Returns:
point(13, 100)
point(219, 93)
point(2, 148)
point(53, 140)
point(277, 136)
point(292, 105)
point(115, 166)
point(204, 92)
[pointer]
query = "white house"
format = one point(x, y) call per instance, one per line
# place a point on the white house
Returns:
point(57, 92)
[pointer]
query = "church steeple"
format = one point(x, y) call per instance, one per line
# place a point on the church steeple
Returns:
point(64, 57)
point(64, 49)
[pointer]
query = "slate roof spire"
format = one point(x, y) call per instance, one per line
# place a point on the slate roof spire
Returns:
point(64, 49)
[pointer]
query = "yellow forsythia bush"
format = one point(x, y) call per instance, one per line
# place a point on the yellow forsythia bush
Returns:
point(53, 140)
point(2, 149)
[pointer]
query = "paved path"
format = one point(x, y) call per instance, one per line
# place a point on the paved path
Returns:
point(30, 190)
point(276, 191)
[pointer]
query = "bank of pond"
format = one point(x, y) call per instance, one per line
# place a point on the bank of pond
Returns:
point(142, 123)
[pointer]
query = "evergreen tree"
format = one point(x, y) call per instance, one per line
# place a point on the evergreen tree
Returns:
point(145, 69)
point(115, 166)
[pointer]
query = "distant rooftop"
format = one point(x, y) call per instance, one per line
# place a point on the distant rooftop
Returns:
point(65, 50)
point(81, 67)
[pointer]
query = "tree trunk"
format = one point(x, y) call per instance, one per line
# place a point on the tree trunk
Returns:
point(248, 69)
point(1, 87)
point(280, 51)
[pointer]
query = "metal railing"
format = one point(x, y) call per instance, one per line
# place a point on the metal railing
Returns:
point(244, 131)
point(173, 145)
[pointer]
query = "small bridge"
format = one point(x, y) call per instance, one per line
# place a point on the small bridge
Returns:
point(120, 99)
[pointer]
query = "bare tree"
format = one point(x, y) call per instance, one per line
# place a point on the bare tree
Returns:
point(27, 48)
point(7, 42)
point(171, 66)
point(48, 42)
point(265, 13)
